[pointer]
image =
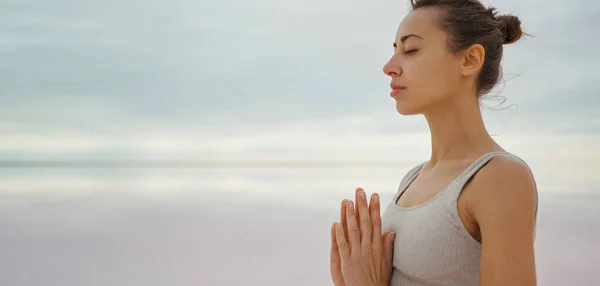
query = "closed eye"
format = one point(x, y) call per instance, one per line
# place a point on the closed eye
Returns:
point(410, 51)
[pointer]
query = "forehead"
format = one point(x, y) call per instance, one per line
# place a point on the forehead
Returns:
point(423, 22)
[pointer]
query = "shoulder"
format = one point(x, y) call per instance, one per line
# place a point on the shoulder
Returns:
point(506, 172)
point(505, 187)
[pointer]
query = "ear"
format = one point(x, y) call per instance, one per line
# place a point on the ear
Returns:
point(472, 60)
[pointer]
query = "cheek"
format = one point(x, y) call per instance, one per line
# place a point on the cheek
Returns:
point(429, 76)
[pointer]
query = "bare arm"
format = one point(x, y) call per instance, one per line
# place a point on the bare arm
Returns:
point(505, 210)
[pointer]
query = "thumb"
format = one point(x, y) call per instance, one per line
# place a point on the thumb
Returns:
point(388, 247)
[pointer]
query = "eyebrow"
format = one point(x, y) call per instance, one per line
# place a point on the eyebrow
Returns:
point(404, 38)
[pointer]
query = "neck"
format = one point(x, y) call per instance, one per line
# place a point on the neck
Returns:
point(458, 131)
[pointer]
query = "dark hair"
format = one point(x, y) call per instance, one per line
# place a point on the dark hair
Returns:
point(468, 22)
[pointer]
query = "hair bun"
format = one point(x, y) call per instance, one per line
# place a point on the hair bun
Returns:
point(511, 28)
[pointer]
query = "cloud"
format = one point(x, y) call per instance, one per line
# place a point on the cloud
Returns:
point(111, 78)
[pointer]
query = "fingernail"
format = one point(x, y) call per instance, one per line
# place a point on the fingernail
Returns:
point(362, 195)
point(350, 204)
point(376, 198)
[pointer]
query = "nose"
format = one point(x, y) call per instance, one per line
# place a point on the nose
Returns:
point(392, 68)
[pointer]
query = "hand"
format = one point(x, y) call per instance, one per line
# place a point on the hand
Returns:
point(360, 254)
point(335, 263)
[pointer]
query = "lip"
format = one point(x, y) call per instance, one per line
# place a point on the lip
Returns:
point(396, 89)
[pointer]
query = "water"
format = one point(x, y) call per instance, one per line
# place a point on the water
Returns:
point(224, 226)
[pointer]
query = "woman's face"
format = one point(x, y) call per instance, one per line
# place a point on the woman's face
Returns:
point(424, 72)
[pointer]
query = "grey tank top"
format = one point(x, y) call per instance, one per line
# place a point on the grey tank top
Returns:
point(432, 246)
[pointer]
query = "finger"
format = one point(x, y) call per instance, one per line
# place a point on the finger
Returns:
point(387, 232)
point(366, 225)
point(334, 259)
point(342, 244)
point(384, 239)
point(375, 208)
point(388, 247)
point(353, 229)
point(357, 199)
point(335, 255)
point(343, 209)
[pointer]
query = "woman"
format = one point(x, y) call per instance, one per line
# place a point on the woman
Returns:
point(467, 215)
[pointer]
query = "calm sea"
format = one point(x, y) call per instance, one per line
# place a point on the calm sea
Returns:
point(224, 226)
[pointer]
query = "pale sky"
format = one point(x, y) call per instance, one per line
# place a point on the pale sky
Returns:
point(266, 79)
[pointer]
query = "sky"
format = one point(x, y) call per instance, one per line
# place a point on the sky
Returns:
point(266, 79)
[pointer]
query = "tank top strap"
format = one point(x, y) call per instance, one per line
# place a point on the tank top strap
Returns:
point(409, 177)
point(466, 175)
point(458, 184)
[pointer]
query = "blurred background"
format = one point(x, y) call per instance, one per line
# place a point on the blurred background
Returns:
point(180, 142)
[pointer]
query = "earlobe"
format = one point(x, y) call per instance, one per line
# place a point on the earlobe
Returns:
point(473, 59)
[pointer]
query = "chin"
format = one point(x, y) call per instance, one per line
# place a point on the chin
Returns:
point(406, 109)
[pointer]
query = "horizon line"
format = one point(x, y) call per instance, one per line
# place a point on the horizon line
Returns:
point(200, 164)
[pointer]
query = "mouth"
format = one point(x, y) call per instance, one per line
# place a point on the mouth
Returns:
point(396, 89)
